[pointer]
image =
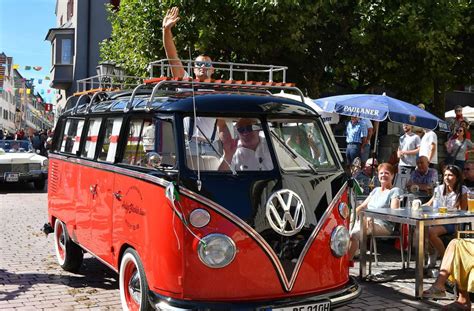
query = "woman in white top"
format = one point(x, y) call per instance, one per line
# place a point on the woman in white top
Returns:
point(384, 196)
point(454, 195)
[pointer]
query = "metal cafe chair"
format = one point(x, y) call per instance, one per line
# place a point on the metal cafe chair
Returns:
point(397, 234)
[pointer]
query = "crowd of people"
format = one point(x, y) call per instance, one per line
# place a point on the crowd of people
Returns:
point(438, 183)
point(40, 140)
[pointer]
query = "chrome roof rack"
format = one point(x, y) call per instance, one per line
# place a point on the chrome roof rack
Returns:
point(225, 70)
point(233, 77)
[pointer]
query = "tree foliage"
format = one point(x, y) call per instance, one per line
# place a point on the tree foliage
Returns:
point(416, 49)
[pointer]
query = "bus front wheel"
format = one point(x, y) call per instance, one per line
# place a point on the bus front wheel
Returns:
point(133, 284)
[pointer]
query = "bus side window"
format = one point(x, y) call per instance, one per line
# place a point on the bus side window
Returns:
point(91, 139)
point(72, 135)
point(134, 151)
point(110, 140)
point(147, 135)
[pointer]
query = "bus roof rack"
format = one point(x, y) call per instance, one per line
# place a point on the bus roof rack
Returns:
point(224, 70)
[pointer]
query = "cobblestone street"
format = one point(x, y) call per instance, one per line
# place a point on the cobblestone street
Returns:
point(31, 279)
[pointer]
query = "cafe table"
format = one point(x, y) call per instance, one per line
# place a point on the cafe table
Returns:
point(420, 219)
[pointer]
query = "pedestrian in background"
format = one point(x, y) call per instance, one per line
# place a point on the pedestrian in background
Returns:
point(409, 145)
point(365, 152)
point(429, 147)
point(457, 148)
point(456, 122)
point(356, 138)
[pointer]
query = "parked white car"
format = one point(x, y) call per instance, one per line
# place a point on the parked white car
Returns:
point(19, 163)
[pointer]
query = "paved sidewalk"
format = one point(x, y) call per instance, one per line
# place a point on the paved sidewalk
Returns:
point(31, 279)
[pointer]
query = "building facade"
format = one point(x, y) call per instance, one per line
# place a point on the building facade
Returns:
point(7, 98)
point(81, 26)
point(20, 107)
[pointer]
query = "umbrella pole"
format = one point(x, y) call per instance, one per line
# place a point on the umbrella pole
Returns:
point(376, 128)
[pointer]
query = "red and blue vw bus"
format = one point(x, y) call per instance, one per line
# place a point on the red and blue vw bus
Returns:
point(138, 179)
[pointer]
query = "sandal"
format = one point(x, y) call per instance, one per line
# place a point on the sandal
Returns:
point(456, 306)
point(434, 292)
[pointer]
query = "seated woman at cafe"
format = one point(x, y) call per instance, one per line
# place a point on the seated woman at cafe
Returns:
point(423, 178)
point(458, 266)
point(452, 194)
point(385, 196)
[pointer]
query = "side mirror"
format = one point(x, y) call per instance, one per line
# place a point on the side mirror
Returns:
point(153, 159)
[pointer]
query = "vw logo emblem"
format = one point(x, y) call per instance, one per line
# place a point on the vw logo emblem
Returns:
point(285, 212)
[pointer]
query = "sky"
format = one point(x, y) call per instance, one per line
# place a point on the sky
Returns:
point(23, 28)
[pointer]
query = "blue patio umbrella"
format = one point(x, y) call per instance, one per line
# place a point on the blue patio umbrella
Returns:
point(381, 108)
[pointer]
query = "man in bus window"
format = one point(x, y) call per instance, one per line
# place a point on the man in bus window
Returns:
point(249, 152)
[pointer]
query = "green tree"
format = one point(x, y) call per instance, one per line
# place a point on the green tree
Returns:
point(416, 49)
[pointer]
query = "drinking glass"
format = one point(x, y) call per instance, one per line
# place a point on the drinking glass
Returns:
point(470, 201)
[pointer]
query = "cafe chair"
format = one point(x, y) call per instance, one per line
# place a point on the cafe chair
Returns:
point(397, 234)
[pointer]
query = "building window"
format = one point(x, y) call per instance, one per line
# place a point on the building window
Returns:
point(66, 51)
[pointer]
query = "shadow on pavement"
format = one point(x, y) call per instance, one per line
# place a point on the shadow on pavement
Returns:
point(92, 275)
point(21, 188)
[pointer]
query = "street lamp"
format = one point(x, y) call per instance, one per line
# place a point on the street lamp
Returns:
point(104, 72)
point(119, 73)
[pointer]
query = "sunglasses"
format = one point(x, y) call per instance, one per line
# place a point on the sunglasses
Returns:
point(201, 64)
point(248, 128)
point(467, 169)
point(460, 131)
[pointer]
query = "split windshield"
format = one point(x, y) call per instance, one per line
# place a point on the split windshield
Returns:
point(245, 144)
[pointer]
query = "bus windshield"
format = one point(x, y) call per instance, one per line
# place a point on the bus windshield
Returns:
point(241, 144)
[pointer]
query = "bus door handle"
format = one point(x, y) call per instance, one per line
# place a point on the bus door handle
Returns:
point(118, 195)
point(93, 189)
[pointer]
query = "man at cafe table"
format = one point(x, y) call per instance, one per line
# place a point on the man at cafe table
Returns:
point(423, 178)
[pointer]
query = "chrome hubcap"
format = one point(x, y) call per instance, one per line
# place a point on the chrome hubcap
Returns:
point(134, 287)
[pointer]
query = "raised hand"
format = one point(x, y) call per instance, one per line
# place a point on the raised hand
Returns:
point(171, 17)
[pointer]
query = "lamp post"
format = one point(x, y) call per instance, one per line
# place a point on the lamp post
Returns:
point(119, 74)
point(104, 72)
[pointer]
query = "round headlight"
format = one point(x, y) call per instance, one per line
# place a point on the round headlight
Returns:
point(340, 241)
point(45, 163)
point(199, 218)
point(216, 250)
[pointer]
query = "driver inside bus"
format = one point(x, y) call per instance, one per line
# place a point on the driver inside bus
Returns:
point(247, 153)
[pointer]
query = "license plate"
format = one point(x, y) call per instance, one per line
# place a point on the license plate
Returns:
point(317, 306)
point(11, 177)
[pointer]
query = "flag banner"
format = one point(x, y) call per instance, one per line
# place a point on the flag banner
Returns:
point(37, 68)
point(28, 91)
point(38, 100)
point(49, 91)
point(47, 78)
point(40, 81)
point(20, 90)
point(1, 77)
point(1, 89)
point(27, 67)
point(42, 91)
point(16, 66)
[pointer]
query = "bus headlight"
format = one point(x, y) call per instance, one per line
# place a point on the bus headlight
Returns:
point(340, 241)
point(216, 250)
point(45, 164)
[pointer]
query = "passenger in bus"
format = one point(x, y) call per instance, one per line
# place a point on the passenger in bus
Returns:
point(203, 64)
point(384, 196)
point(203, 70)
point(247, 153)
point(303, 144)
